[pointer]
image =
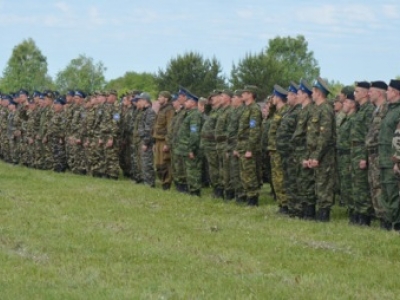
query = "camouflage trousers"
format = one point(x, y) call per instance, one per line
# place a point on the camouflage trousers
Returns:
point(213, 166)
point(70, 155)
point(135, 162)
point(375, 184)
point(234, 183)
point(289, 182)
point(59, 155)
point(325, 180)
point(277, 178)
point(360, 188)
point(266, 167)
point(163, 162)
point(222, 164)
point(38, 153)
point(111, 161)
point(390, 198)
point(96, 159)
point(5, 149)
point(193, 169)
point(125, 158)
point(147, 166)
point(345, 179)
point(249, 175)
point(88, 148)
point(46, 158)
point(23, 151)
point(79, 160)
point(30, 153)
point(15, 150)
point(178, 168)
point(305, 183)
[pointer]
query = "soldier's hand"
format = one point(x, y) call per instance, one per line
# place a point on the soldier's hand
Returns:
point(165, 148)
point(101, 142)
point(248, 154)
point(235, 153)
point(191, 155)
point(305, 164)
point(396, 169)
point(109, 143)
point(395, 159)
point(78, 141)
point(30, 141)
point(313, 163)
point(144, 147)
point(44, 140)
point(363, 164)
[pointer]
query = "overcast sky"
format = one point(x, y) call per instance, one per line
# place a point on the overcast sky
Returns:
point(352, 40)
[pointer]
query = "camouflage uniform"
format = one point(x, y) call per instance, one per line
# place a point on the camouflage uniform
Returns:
point(136, 170)
point(305, 180)
point(69, 113)
point(276, 160)
point(78, 153)
point(23, 140)
point(97, 159)
point(163, 158)
point(19, 116)
point(4, 140)
point(248, 139)
point(235, 182)
point(285, 149)
point(46, 158)
point(11, 135)
point(321, 147)
point(389, 182)
point(146, 139)
point(373, 159)
point(32, 126)
point(208, 145)
point(89, 141)
point(125, 154)
point(178, 163)
point(265, 158)
point(221, 137)
point(361, 192)
point(188, 141)
point(56, 134)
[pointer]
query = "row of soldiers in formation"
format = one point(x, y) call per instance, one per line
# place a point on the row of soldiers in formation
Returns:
point(294, 143)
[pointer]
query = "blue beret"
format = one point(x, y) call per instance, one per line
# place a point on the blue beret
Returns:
point(280, 91)
point(60, 100)
point(182, 91)
point(36, 94)
point(41, 96)
point(305, 87)
point(80, 94)
point(70, 93)
point(23, 92)
point(293, 87)
point(6, 97)
point(321, 85)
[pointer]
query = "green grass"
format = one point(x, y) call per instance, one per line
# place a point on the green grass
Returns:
point(64, 236)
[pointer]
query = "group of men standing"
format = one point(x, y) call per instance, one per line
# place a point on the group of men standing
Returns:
point(307, 148)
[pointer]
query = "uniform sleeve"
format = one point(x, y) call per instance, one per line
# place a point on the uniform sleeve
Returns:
point(148, 123)
point(324, 139)
point(195, 128)
point(255, 120)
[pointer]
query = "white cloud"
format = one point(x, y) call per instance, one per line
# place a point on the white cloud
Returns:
point(391, 11)
point(63, 7)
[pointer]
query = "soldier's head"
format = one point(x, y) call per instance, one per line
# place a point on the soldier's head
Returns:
point(292, 94)
point(279, 95)
point(377, 92)
point(164, 97)
point(23, 96)
point(69, 96)
point(191, 101)
point(349, 104)
point(201, 104)
point(112, 96)
point(249, 94)
point(48, 98)
point(320, 90)
point(58, 104)
point(182, 95)
point(237, 99)
point(226, 97)
point(304, 92)
point(175, 103)
point(12, 105)
point(143, 100)
point(393, 91)
point(361, 91)
point(214, 98)
point(36, 97)
point(79, 97)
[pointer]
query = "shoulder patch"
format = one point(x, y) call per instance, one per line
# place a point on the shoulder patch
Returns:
point(193, 128)
point(252, 123)
point(116, 116)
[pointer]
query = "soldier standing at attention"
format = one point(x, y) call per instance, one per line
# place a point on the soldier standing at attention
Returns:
point(388, 163)
point(189, 145)
point(279, 100)
point(57, 135)
point(125, 155)
point(146, 144)
point(4, 141)
point(249, 144)
point(79, 114)
point(47, 147)
point(343, 146)
point(285, 149)
point(363, 210)
point(161, 150)
point(30, 132)
point(377, 96)
point(321, 147)
point(305, 181)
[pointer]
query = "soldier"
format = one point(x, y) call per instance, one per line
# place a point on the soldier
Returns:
point(343, 146)
point(279, 100)
point(188, 146)
point(4, 140)
point(46, 153)
point(285, 149)
point(69, 109)
point(32, 125)
point(377, 96)
point(76, 138)
point(97, 159)
point(321, 147)
point(23, 145)
point(110, 136)
point(89, 141)
point(248, 144)
point(267, 113)
point(387, 162)
point(19, 120)
point(203, 107)
point(125, 155)
point(161, 149)
point(363, 210)
point(146, 143)
point(56, 133)
point(305, 181)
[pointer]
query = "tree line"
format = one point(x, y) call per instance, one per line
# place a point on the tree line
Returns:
point(284, 59)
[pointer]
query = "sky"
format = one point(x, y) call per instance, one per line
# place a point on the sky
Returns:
point(351, 40)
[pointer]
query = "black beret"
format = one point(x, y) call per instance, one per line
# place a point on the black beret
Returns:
point(363, 84)
point(395, 83)
point(379, 85)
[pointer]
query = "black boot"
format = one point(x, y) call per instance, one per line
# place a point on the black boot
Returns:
point(252, 201)
point(385, 225)
point(283, 210)
point(229, 195)
point(353, 217)
point(195, 193)
point(364, 220)
point(166, 186)
point(309, 212)
point(218, 193)
point(324, 215)
point(241, 199)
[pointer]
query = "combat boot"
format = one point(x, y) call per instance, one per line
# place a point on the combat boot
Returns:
point(324, 215)
point(364, 220)
point(229, 195)
point(252, 201)
point(309, 212)
point(195, 193)
point(385, 225)
point(241, 199)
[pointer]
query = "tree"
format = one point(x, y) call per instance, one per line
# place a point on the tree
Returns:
point(26, 68)
point(192, 71)
point(285, 59)
point(132, 80)
point(82, 73)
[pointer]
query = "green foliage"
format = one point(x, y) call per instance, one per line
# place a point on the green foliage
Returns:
point(192, 71)
point(285, 59)
point(26, 68)
point(335, 87)
point(86, 238)
point(134, 81)
point(82, 73)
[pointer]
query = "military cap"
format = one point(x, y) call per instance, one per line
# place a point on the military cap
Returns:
point(6, 97)
point(182, 90)
point(174, 97)
point(321, 85)
point(23, 92)
point(144, 96)
point(305, 87)
point(280, 91)
point(227, 92)
point(379, 84)
point(362, 84)
point(112, 92)
point(80, 94)
point(70, 93)
point(165, 94)
point(190, 96)
point(293, 87)
point(41, 96)
point(250, 88)
point(56, 94)
point(49, 94)
point(347, 90)
point(237, 93)
point(395, 83)
point(60, 100)
point(36, 94)
point(214, 93)
point(11, 101)
point(350, 95)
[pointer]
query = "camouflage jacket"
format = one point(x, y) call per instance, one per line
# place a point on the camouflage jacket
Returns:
point(299, 137)
point(233, 126)
point(386, 134)
point(371, 140)
point(163, 121)
point(135, 130)
point(275, 123)
point(321, 131)
point(343, 142)
point(286, 129)
point(189, 133)
point(146, 126)
point(207, 134)
point(172, 135)
point(57, 126)
point(359, 130)
point(221, 128)
point(249, 129)
point(45, 117)
point(109, 126)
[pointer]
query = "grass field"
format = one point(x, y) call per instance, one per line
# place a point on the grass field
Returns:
point(64, 236)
